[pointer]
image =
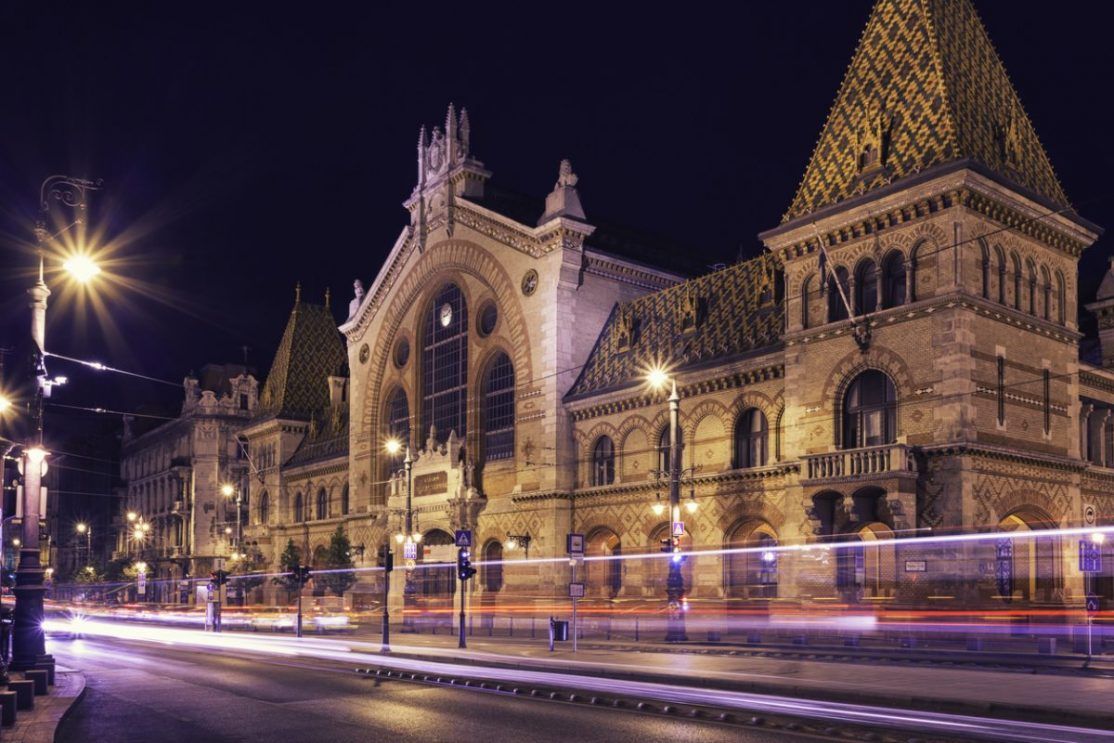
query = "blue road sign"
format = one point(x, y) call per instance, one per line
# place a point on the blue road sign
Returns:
point(410, 551)
point(1090, 556)
point(463, 537)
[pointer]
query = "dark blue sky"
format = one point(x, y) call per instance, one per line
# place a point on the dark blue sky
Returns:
point(247, 148)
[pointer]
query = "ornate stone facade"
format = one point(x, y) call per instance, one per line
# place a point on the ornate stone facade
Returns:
point(903, 359)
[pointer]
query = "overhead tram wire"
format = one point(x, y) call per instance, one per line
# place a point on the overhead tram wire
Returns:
point(99, 366)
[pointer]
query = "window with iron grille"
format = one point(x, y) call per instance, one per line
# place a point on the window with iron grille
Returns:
point(603, 462)
point(398, 419)
point(751, 439)
point(499, 409)
point(445, 365)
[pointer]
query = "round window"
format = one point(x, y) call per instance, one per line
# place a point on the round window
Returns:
point(402, 352)
point(365, 352)
point(489, 316)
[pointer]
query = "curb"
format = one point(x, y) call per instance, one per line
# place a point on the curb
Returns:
point(1030, 713)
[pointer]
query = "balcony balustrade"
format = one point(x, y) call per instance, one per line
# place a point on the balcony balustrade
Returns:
point(888, 459)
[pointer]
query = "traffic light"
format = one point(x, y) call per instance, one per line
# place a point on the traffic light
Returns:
point(464, 569)
point(667, 545)
point(301, 574)
point(386, 558)
point(219, 577)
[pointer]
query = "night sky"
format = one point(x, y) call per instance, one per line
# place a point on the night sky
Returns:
point(244, 149)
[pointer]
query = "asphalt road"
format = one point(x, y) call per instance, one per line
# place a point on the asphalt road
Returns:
point(139, 693)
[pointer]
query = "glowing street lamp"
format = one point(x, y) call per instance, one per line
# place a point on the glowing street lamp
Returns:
point(132, 516)
point(5, 403)
point(658, 378)
point(81, 267)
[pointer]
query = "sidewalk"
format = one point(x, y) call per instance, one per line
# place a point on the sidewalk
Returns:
point(39, 724)
point(1075, 699)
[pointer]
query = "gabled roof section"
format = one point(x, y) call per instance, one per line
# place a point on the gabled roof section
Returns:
point(311, 350)
point(717, 316)
point(925, 87)
point(326, 439)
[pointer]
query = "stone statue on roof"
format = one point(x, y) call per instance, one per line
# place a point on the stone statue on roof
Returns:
point(354, 305)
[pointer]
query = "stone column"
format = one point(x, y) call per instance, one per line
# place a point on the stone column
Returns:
point(909, 281)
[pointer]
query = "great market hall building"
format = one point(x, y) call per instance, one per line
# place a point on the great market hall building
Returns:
point(903, 359)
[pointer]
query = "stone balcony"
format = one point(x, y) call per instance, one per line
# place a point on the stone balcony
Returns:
point(889, 460)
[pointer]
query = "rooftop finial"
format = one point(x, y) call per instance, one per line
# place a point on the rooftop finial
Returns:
point(298, 293)
point(327, 297)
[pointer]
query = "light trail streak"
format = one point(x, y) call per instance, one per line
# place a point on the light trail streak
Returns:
point(935, 723)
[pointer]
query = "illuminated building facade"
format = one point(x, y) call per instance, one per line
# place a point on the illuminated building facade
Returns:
point(176, 517)
point(903, 359)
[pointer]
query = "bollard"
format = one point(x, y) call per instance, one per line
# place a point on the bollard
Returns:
point(636, 639)
point(7, 708)
point(38, 678)
point(25, 693)
point(510, 628)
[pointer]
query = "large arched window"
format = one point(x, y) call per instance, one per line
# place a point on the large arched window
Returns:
point(807, 288)
point(299, 509)
point(322, 504)
point(1061, 299)
point(893, 280)
point(869, 411)
point(664, 462)
point(1015, 262)
point(866, 288)
point(603, 461)
point(398, 417)
point(264, 507)
point(984, 265)
point(445, 365)
point(1001, 274)
point(499, 409)
point(1046, 293)
point(837, 309)
point(752, 437)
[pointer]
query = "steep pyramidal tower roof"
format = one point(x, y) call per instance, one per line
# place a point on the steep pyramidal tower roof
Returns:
point(925, 87)
point(310, 351)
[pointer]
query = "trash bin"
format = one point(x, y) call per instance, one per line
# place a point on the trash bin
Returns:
point(560, 630)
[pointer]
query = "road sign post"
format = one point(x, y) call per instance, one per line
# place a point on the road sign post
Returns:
point(574, 544)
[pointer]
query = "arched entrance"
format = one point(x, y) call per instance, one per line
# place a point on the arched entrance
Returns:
point(493, 566)
point(1029, 568)
point(866, 566)
point(437, 576)
point(752, 573)
point(604, 577)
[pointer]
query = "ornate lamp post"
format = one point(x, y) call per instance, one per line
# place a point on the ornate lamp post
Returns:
point(28, 639)
point(407, 537)
point(228, 490)
point(675, 582)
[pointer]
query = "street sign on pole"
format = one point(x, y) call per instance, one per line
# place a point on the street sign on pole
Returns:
point(410, 551)
point(1090, 556)
point(574, 543)
point(1092, 604)
point(678, 528)
point(576, 590)
point(141, 584)
point(463, 537)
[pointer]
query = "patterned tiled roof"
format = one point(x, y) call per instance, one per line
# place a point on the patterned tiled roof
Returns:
point(716, 316)
point(310, 351)
point(925, 87)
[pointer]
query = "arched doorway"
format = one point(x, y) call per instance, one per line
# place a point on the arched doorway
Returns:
point(493, 566)
point(320, 555)
point(753, 572)
point(437, 581)
point(656, 570)
point(604, 577)
point(1028, 569)
point(879, 560)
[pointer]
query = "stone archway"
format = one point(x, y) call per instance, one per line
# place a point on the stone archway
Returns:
point(1033, 571)
point(751, 573)
point(604, 577)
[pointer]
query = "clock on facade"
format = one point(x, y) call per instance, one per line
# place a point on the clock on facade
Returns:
point(365, 352)
point(446, 315)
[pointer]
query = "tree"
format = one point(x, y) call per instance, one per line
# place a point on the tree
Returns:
point(250, 566)
point(338, 557)
point(290, 558)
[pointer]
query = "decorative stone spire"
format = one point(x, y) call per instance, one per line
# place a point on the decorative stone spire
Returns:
point(563, 201)
point(465, 134)
point(1103, 310)
point(328, 297)
point(298, 293)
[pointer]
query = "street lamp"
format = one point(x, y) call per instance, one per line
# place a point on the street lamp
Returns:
point(83, 529)
point(657, 378)
point(228, 490)
point(514, 541)
point(28, 638)
point(5, 403)
point(406, 537)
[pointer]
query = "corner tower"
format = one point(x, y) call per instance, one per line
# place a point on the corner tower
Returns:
point(930, 240)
